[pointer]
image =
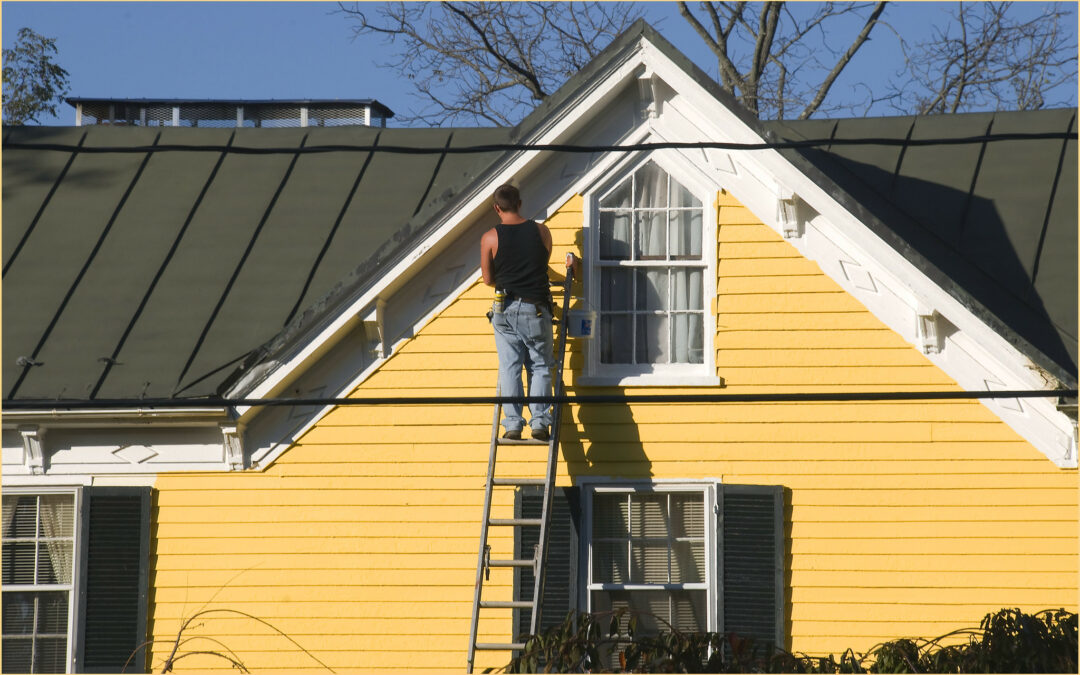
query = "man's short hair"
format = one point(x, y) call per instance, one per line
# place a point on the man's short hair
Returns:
point(507, 198)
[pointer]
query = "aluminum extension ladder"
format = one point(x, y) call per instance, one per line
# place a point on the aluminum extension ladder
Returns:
point(538, 561)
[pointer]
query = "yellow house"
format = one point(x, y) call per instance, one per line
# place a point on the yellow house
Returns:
point(167, 289)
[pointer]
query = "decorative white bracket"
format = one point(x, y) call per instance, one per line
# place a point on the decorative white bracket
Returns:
point(649, 91)
point(33, 451)
point(1069, 410)
point(787, 213)
point(927, 323)
point(233, 445)
point(374, 328)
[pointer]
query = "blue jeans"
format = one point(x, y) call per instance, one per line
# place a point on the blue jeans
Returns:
point(523, 340)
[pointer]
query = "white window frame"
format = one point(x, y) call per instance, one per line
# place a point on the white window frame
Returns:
point(707, 488)
point(669, 374)
point(73, 587)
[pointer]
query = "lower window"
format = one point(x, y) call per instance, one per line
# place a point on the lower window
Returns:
point(649, 552)
point(38, 540)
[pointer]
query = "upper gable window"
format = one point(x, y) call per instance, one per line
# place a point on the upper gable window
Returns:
point(649, 277)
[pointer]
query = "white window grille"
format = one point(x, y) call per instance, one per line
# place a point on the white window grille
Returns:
point(38, 549)
point(649, 552)
point(650, 269)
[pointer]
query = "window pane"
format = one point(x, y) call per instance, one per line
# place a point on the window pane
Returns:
point(687, 338)
point(18, 614)
point(51, 655)
point(686, 292)
point(52, 612)
point(647, 517)
point(650, 187)
point(610, 516)
point(619, 197)
point(685, 235)
point(616, 289)
point(689, 610)
point(652, 339)
point(652, 289)
point(650, 240)
point(616, 338)
point(649, 562)
point(615, 235)
point(54, 562)
point(57, 515)
point(18, 562)
point(687, 515)
point(17, 655)
point(688, 562)
point(24, 521)
point(609, 562)
point(681, 197)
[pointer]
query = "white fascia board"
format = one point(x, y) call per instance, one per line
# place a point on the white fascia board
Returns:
point(112, 418)
point(879, 276)
point(561, 125)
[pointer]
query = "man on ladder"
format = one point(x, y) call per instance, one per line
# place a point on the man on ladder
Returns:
point(514, 259)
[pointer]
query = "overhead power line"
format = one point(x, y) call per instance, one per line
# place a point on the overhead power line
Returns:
point(549, 147)
point(791, 397)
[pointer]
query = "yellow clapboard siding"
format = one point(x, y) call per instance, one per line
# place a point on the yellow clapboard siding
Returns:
point(807, 338)
point(821, 375)
point(786, 303)
point(757, 249)
point(1007, 562)
point(905, 518)
point(765, 267)
point(1060, 545)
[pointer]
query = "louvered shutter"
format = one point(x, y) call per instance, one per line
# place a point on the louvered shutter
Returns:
point(560, 586)
point(113, 580)
point(751, 562)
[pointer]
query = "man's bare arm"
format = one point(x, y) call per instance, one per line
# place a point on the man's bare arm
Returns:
point(489, 246)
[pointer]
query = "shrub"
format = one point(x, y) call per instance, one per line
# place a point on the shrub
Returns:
point(1007, 641)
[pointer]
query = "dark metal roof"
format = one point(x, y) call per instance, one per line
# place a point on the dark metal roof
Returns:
point(995, 224)
point(383, 110)
point(163, 274)
point(157, 274)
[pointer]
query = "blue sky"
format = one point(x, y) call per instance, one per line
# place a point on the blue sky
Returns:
point(261, 50)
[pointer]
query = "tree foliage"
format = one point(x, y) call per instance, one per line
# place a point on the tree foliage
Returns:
point(492, 62)
point(33, 82)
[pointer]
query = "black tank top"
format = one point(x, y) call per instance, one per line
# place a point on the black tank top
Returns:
point(521, 263)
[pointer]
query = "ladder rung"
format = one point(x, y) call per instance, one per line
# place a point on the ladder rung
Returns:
point(506, 604)
point(499, 646)
point(518, 481)
point(511, 563)
point(537, 522)
point(521, 441)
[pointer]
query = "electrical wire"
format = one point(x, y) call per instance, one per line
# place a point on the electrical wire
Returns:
point(551, 147)
point(791, 397)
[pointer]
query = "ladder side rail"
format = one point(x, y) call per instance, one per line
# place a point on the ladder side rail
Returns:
point(553, 456)
point(481, 562)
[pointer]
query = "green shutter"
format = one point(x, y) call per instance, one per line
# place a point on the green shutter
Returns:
point(751, 562)
point(560, 585)
point(113, 579)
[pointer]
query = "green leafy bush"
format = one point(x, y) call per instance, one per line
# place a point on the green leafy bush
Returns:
point(1007, 641)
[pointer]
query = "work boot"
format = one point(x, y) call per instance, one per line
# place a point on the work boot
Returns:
point(541, 434)
point(512, 435)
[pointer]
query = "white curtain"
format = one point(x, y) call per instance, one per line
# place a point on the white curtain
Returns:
point(57, 519)
point(687, 326)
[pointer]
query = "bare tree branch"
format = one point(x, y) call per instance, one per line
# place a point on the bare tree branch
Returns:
point(861, 38)
point(488, 62)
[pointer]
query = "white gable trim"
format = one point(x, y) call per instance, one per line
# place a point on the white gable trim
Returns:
point(850, 253)
point(824, 231)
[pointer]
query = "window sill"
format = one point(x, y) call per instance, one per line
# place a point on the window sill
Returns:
point(649, 380)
